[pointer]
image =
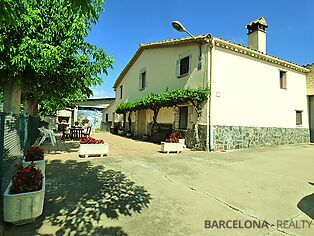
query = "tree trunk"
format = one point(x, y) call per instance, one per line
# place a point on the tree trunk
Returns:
point(197, 138)
point(196, 131)
point(124, 121)
point(130, 122)
point(12, 97)
point(155, 114)
point(31, 108)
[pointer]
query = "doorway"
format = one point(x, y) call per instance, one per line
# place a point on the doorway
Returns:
point(141, 123)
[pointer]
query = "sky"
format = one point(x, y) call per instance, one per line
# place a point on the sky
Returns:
point(124, 24)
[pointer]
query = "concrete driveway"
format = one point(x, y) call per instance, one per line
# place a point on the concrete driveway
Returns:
point(138, 191)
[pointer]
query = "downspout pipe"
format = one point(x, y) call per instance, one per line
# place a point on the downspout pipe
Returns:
point(209, 133)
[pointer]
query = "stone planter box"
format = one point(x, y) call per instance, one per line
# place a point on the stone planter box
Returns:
point(23, 208)
point(93, 149)
point(41, 165)
point(171, 147)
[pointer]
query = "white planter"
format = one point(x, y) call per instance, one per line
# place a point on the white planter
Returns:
point(93, 149)
point(182, 140)
point(171, 147)
point(23, 208)
point(129, 135)
point(120, 132)
point(41, 165)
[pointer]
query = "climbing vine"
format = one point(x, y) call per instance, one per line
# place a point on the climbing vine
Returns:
point(168, 99)
point(155, 101)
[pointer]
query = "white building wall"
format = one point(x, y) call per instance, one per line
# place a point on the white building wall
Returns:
point(246, 92)
point(160, 65)
point(310, 81)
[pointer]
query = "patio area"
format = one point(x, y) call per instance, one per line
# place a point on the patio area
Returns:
point(136, 190)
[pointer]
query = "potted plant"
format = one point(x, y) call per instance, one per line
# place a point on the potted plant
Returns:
point(23, 199)
point(172, 143)
point(129, 134)
point(90, 146)
point(35, 154)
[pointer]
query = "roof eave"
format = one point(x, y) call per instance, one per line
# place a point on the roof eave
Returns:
point(218, 42)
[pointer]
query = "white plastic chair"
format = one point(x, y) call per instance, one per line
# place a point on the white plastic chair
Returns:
point(47, 133)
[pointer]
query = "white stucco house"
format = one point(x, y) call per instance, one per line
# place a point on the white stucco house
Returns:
point(255, 99)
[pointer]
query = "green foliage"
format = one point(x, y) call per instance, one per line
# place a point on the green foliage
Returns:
point(44, 49)
point(86, 7)
point(164, 99)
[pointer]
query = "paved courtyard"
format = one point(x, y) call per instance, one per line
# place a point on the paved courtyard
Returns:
point(138, 191)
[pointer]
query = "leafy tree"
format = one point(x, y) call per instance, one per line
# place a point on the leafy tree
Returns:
point(84, 6)
point(44, 52)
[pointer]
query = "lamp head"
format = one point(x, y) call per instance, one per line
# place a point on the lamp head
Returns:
point(178, 26)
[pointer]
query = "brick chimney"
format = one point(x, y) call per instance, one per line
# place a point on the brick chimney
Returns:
point(257, 34)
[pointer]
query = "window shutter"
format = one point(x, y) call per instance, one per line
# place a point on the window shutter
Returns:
point(190, 64)
point(145, 80)
point(140, 81)
point(178, 68)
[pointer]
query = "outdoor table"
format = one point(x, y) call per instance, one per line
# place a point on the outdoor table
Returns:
point(76, 133)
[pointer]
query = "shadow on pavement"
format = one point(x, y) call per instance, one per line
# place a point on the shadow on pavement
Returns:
point(306, 205)
point(79, 197)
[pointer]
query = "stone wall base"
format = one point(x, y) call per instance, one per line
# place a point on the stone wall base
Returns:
point(241, 137)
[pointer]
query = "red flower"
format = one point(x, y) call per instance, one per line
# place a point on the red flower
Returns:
point(34, 153)
point(90, 140)
point(174, 137)
point(27, 179)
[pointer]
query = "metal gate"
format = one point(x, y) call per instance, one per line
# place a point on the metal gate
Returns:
point(17, 133)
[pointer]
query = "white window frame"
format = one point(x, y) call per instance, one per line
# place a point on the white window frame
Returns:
point(283, 78)
point(140, 79)
point(180, 57)
point(296, 118)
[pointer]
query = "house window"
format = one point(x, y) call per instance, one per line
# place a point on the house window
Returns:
point(142, 80)
point(107, 117)
point(121, 91)
point(298, 115)
point(283, 79)
point(184, 65)
point(183, 117)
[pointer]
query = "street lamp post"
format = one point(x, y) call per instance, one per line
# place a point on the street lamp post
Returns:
point(177, 25)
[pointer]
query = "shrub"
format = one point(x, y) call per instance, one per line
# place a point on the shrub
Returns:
point(27, 179)
point(35, 153)
point(90, 140)
point(174, 137)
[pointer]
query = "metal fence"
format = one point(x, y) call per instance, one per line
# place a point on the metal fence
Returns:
point(17, 133)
